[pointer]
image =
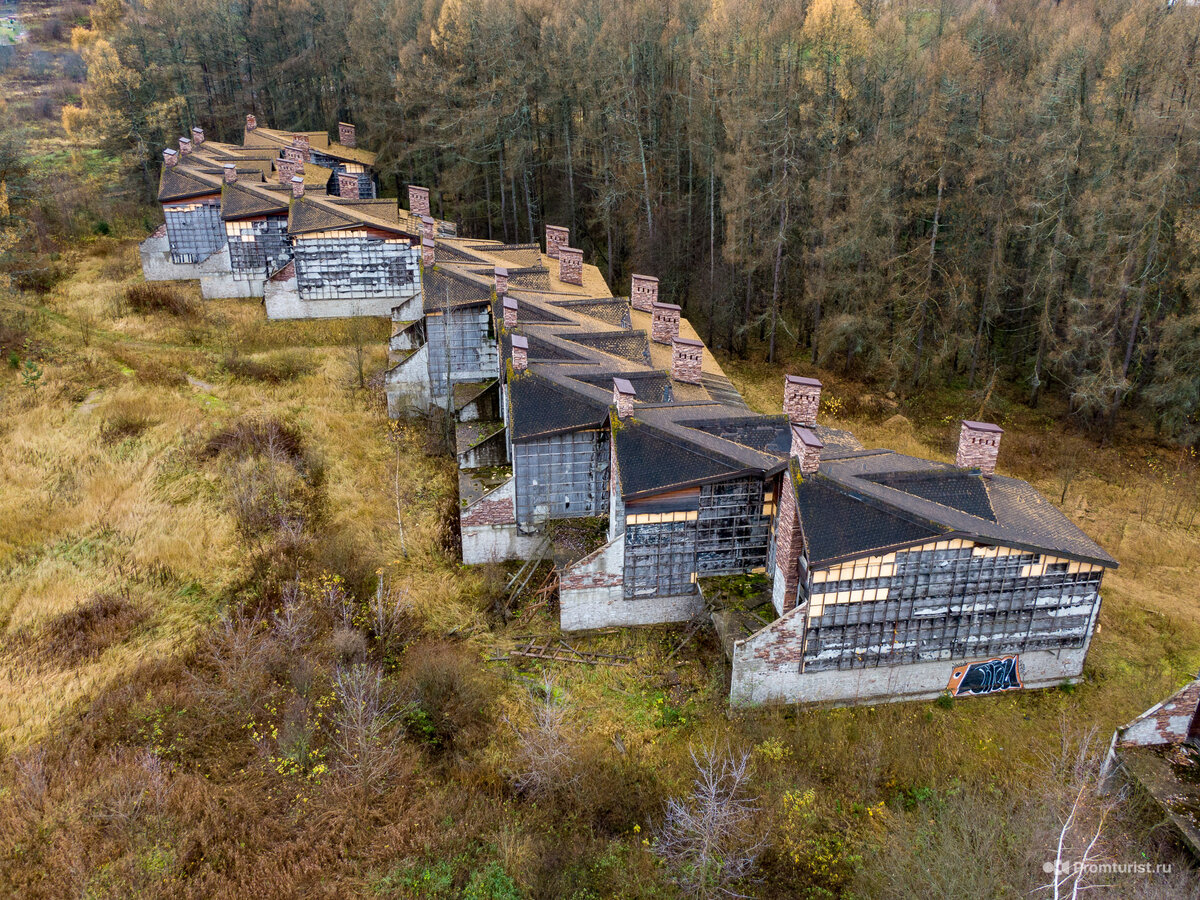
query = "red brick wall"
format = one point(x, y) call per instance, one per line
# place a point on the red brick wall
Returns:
point(788, 542)
point(490, 512)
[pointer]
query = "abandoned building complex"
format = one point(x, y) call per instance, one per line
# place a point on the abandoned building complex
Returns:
point(289, 217)
point(891, 577)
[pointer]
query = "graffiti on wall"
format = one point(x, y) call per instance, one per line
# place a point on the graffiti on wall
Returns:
point(986, 676)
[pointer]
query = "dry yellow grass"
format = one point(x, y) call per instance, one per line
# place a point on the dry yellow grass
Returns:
point(102, 489)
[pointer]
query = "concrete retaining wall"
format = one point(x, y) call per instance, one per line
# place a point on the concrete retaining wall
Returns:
point(407, 385)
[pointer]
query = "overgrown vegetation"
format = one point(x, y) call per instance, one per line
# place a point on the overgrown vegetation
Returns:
point(923, 196)
point(223, 672)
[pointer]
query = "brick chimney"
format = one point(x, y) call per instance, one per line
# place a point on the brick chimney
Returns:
point(347, 185)
point(806, 448)
point(686, 360)
point(251, 122)
point(170, 157)
point(294, 154)
point(510, 312)
point(643, 292)
point(978, 446)
point(428, 254)
point(418, 200)
point(520, 350)
point(664, 324)
point(570, 265)
point(346, 135)
point(297, 184)
point(501, 281)
point(185, 146)
point(301, 141)
point(230, 170)
point(427, 225)
point(288, 168)
point(801, 399)
point(623, 394)
point(197, 135)
point(557, 237)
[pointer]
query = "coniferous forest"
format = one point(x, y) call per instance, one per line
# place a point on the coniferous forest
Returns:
point(240, 655)
point(919, 195)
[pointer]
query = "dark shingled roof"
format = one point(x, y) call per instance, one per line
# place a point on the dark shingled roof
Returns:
point(540, 349)
point(535, 278)
point(444, 287)
point(181, 182)
point(631, 345)
point(838, 525)
point(540, 408)
point(768, 434)
point(958, 490)
point(649, 387)
point(241, 201)
point(528, 314)
point(614, 312)
point(650, 462)
point(945, 499)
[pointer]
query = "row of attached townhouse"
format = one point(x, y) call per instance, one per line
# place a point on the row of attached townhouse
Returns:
point(892, 577)
point(291, 217)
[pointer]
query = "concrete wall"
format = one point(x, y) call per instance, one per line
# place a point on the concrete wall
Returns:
point(490, 532)
point(407, 384)
point(491, 451)
point(282, 301)
point(591, 595)
point(218, 281)
point(766, 669)
point(155, 252)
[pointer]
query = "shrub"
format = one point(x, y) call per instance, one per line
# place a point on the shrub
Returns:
point(83, 633)
point(123, 422)
point(492, 883)
point(450, 695)
point(270, 368)
point(148, 297)
point(350, 645)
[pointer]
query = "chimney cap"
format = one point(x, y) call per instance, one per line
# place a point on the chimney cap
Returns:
point(502, 271)
point(296, 179)
point(427, 220)
point(807, 437)
point(687, 342)
point(982, 426)
point(645, 277)
point(427, 242)
point(800, 379)
point(623, 386)
point(520, 342)
point(347, 124)
point(169, 150)
point(510, 302)
point(670, 306)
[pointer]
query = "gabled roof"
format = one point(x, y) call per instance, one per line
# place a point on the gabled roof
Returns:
point(939, 499)
point(837, 525)
point(240, 200)
point(540, 407)
point(320, 213)
point(650, 462)
point(444, 287)
point(183, 181)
